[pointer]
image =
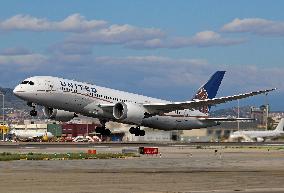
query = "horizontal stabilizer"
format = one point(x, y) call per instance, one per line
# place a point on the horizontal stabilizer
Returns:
point(225, 119)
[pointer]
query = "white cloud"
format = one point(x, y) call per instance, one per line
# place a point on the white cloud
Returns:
point(200, 39)
point(149, 60)
point(26, 62)
point(159, 71)
point(256, 26)
point(209, 38)
point(71, 61)
point(73, 23)
point(76, 22)
point(116, 34)
point(22, 59)
point(25, 22)
point(15, 51)
point(252, 77)
point(166, 71)
point(98, 32)
point(70, 49)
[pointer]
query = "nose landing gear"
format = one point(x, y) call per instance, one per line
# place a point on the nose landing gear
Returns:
point(33, 112)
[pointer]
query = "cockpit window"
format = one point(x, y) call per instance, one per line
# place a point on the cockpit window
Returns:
point(25, 82)
point(28, 82)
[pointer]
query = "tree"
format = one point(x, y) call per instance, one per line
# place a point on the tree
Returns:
point(270, 123)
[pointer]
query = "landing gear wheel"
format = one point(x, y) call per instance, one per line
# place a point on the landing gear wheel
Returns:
point(102, 130)
point(107, 132)
point(30, 104)
point(141, 132)
point(132, 130)
point(33, 113)
point(99, 129)
point(137, 131)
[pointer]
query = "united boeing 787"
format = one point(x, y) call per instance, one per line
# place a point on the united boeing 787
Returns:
point(63, 99)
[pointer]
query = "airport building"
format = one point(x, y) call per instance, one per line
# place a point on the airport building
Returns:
point(154, 136)
point(83, 126)
point(216, 133)
point(259, 114)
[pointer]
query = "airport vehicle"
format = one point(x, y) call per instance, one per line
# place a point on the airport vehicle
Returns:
point(63, 99)
point(86, 139)
point(259, 136)
point(31, 135)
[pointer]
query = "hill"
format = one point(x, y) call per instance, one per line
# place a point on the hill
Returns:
point(11, 101)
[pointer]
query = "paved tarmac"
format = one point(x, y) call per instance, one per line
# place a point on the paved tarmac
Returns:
point(131, 144)
point(181, 168)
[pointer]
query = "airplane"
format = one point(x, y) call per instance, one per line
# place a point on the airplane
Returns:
point(259, 136)
point(64, 99)
point(31, 135)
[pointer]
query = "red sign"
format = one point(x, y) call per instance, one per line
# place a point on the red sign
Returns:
point(149, 150)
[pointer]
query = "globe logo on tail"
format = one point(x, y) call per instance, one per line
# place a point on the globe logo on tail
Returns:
point(202, 95)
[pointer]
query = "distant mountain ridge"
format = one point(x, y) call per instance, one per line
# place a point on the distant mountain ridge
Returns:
point(11, 101)
point(232, 111)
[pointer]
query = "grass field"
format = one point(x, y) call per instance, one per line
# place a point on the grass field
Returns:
point(7, 156)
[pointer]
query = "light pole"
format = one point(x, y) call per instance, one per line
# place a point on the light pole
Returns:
point(238, 114)
point(3, 114)
point(267, 111)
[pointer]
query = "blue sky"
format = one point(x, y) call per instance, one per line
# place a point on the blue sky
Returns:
point(163, 49)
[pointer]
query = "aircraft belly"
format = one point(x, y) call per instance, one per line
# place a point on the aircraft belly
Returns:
point(159, 122)
point(173, 123)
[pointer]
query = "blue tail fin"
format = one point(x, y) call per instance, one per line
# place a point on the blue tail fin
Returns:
point(209, 89)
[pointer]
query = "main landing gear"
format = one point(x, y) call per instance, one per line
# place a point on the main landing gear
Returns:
point(33, 112)
point(102, 130)
point(137, 131)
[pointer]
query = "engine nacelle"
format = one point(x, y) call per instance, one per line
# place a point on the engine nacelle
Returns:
point(260, 139)
point(58, 115)
point(129, 112)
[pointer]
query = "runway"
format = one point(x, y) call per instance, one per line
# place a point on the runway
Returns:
point(131, 144)
point(179, 168)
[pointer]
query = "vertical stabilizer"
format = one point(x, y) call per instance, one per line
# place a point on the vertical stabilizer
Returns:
point(280, 125)
point(209, 89)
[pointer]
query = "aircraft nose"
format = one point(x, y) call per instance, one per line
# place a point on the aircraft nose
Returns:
point(17, 90)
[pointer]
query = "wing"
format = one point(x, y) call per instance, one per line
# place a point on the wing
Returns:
point(165, 108)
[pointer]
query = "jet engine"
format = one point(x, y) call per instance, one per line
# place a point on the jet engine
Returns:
point(129, 112)
point(58, 115)
point(260, 139)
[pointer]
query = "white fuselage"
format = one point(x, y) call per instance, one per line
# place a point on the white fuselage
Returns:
point(256, 135)
point(86, 99)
